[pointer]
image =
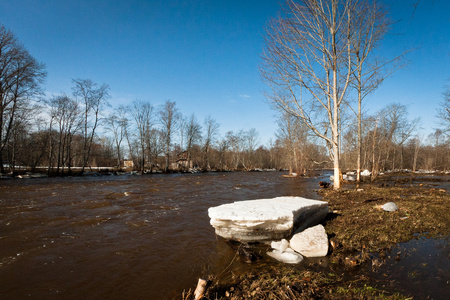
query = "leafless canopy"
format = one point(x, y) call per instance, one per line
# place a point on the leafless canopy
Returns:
point(20, 79)
point(304, 48)
point(307, 64)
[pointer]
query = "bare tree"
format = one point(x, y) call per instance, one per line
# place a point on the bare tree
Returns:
point(250, 142)
point(293, 136)
point(155, 146)
point(64, 113)
point(235, 143)
point(307, 65)
point(211, 131)
point(20, 79)
point(168, 116)
point(369, 25)
point(182, 128)
point(415, 142)
point(93, 97)
point(142, 114)
point(444, 111)
point(193, 135)
point(117, 123)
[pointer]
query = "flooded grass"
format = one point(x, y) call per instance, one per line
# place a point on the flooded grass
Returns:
point(362, 236)
point(358, 222)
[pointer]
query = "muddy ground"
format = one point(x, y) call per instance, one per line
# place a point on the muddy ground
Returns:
point(362, 237)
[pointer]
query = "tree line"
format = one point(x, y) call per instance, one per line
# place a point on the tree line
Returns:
point(318, 67)
point(321, 61)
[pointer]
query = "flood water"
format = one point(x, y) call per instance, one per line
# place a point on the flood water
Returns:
point(121, 236)
point(126, 237)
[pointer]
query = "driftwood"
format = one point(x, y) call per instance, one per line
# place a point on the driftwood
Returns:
point(201, 288)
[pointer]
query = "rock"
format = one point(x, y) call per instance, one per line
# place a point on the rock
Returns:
point(390, 206)
point(265, 219)
point(281, 245)
point(289, 256)
point(324, 184)
point(312, 242)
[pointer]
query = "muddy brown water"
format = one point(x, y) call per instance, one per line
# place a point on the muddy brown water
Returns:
point(126, 237)
point(123, 237)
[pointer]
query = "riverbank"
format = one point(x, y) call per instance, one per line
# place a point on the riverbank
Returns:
point(26, 173)
point(362, 236)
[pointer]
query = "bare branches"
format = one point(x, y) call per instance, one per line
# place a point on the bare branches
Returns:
point(307, 64)
point(20, 79)
point(93, 97)
point(168, 116)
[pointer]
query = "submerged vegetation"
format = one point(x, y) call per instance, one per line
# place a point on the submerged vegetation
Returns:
point(361, 237)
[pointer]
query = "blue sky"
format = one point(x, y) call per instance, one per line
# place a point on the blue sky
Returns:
point(204, 55)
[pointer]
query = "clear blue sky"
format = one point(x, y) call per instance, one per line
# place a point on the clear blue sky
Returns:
point(204, 55)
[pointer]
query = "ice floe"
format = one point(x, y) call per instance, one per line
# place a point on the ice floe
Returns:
point(266, 219)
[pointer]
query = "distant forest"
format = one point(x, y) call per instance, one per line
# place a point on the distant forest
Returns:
point(73, 132)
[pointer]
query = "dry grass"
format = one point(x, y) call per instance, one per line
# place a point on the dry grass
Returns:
point(359, 223)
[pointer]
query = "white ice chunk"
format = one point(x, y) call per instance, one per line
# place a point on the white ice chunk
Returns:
point(365, 173)
point(265, 219)
point(312, 242)
point(288, 257)
point(281, 245)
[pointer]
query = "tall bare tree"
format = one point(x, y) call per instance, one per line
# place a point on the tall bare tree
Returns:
point(444, 112)
point(168, 116)
point(193, 135)
point(64, 113)
point(93, 98)
point(251, 141)
point(211, 131)
point(368, 28)
point(292, 135)
point(20, 78)
point(307, 65)
point(143, 116)
point(117, 123)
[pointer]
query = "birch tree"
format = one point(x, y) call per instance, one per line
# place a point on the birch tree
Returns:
point(307, 65)
point(369, 25)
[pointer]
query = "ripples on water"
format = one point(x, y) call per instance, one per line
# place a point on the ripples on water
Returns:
point(121, 237)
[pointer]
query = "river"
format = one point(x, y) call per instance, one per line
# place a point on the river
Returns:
point(122, 237)
point(149, 237)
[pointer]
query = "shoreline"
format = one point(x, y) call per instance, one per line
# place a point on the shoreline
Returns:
point(361, 236)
